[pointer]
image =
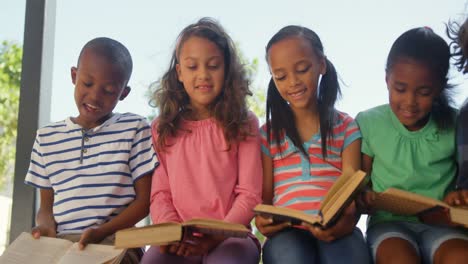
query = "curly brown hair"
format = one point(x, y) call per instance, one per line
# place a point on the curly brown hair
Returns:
point(458, 35)
point(229, 109)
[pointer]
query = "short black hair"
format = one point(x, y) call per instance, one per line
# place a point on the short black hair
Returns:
point(113, 51)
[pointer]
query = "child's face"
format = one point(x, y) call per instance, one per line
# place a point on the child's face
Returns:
point(201, 71)
point(99, 85)
point(295, 69)
point(412, 90)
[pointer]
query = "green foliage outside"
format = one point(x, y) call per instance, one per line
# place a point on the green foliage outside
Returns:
point(10, 76)
point(258, 99)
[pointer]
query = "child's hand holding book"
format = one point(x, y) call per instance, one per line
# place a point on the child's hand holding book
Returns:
point(344, 225)
point(267, 226)
point(457, 198)
point(193, 245)
point(42, 230)
point(365, 201)
point(91, 236)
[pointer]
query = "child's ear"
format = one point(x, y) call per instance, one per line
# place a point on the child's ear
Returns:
point(386, 80)
point(177, 67)
point(125, 92)
point(73, 71)
point(323, 66)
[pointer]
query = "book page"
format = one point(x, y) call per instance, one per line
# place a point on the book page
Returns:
point(216, 227)
point(215, 224)
point(342, 195)
point(26, 249)
point(286, 214)
point(157, 234)
point(337, 185)
point(92, 254)
point(459, 215)
point(403, 202)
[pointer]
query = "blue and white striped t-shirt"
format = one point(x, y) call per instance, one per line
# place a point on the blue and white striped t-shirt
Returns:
point(92, 172)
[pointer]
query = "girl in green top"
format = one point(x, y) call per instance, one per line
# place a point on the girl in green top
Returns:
point(410, 144)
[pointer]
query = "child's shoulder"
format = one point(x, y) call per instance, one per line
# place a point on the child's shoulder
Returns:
point(376, 113)
point(130, 116)
point(130, 120)
point(343, 117)
point(253, 119)
point(54, 127)
point(343, 122)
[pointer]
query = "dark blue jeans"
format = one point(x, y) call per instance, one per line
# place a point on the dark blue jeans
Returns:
point(299, 246)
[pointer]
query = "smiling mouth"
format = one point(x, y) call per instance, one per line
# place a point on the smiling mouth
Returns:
point(408, 114)
point(297, 94)
point(204, 87)
point(90, 107)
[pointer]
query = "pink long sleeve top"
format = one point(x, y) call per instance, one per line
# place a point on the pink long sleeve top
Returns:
point(199, 177)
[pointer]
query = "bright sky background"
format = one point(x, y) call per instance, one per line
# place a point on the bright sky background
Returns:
point(356, 35)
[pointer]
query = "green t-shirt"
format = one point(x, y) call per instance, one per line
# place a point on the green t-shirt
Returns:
point(422, 161)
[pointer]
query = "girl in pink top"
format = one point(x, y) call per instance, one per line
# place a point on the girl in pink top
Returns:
point(208, 146)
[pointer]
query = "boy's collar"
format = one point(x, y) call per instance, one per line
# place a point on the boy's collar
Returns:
point(111, 120)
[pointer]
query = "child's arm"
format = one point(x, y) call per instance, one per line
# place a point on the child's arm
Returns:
point(131, 215)
point(365, 199)
point(462, 147)
point(367, 164)
point(161, 205)
point(265, 225)
point(460, 196)
point(162, 208)
point(45, 221)
point(267, 189)
point(249, 184)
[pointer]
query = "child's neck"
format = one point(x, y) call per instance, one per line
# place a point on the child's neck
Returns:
point(196, 115)
point(307, 123)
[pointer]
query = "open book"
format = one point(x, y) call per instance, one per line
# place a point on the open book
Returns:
point(429, 210)
point(171, 232)
point(47, 250)
point(338, 197)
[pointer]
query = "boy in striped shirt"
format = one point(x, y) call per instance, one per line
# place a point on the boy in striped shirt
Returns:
point(94, 170)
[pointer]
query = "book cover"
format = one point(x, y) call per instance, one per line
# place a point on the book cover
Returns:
point(427, 209)
point(171, 232)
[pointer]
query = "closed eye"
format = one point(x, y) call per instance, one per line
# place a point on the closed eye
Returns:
point(109, 92)
point(425, 91)
point(399, 89)
point(280, 77)
point(303, 70)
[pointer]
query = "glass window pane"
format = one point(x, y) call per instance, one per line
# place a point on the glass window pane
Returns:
point(11, 38)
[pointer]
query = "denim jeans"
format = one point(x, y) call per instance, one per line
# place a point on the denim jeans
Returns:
point(295, 246)
point(426, 239)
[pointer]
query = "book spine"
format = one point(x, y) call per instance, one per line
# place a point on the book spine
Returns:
point(216, 232)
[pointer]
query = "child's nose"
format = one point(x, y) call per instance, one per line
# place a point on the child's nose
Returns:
point(411, 99)
point(203, 73)
point(293, 80)
point(94, 94)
